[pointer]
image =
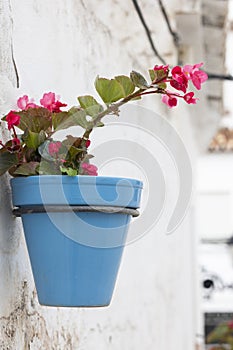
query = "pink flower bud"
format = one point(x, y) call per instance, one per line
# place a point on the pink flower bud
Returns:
point(88, 142)
point(162, 67)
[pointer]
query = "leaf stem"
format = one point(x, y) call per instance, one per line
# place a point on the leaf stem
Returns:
point(114, 108)
point(14, 132)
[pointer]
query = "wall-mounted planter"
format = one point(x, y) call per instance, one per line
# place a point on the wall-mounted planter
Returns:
point(75, 230)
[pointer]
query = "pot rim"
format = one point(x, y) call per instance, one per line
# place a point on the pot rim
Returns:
point(81, 179)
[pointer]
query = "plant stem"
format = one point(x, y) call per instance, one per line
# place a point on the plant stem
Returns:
point(14, 132)
point(114, 108)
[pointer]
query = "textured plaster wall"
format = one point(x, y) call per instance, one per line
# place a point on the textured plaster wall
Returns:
point(61, 46)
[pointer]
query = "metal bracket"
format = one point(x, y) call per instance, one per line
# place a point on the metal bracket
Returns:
point(71, 208)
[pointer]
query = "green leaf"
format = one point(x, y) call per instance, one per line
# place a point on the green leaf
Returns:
point(110, 90)
point(100, 124)
point(69, 171)
point(35, 119)
point(72, 141)
point(73, 151)
point(162, 86)
point(79, 117)
point(73, 148)
point(31, 155)
point(138, 80)
point(91, 106)
point(44, 151)
point(74, 117)
point(86, 158)
point(126, 83)
point(152, 74)
point(48, 168)
point(27, 169)
point(7, 160)
point(33, 140)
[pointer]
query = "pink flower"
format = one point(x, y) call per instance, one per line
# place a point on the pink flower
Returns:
point(230, 324)
point(190, 69)
point(51, 102)
point(179, 80)
point(169, 100)
point(24, 103)
point(54, 148)
point(197, 76)
point(12, 119)
point(189, 98)
point(89, 169)
point(88, 142)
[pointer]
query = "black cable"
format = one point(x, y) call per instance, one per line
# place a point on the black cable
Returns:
point(148, 33)
point(174, 35)
point(15, 66)
point(220, 76)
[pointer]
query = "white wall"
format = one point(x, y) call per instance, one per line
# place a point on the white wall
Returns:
point(214, 205)
point(214, 196)
point(61, 46)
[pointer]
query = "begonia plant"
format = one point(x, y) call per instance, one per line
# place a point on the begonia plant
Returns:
point(34, 151)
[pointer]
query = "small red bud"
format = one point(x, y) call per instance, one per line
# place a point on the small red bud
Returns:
point(88, 142)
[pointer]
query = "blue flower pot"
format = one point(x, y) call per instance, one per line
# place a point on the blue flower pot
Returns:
point(75, 230)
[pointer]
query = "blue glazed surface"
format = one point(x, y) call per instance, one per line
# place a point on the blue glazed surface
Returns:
point(75, 256)
point(67, 273)
point(77, 190)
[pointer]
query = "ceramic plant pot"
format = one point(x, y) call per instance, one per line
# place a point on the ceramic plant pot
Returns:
point(75, 230)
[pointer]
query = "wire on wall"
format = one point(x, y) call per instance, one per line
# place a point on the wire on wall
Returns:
point(220, 76)
point(148, 32)
point(175, 38)
point(174, 34)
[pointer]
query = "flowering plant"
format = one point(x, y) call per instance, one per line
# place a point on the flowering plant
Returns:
point(35, 152)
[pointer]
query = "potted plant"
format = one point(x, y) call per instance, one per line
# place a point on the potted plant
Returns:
point(76, 222)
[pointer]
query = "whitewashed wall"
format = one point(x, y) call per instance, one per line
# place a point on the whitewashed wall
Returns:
point(61, 46)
